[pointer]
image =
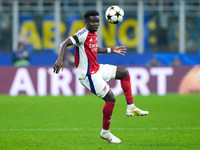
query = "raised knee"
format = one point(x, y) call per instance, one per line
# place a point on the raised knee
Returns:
point(126, 72)
point(121, 73)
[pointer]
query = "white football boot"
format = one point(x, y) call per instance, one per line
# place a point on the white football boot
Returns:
point(132, 110)
point(109, 137)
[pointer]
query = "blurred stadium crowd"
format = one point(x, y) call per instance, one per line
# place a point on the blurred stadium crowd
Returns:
point(31, 31)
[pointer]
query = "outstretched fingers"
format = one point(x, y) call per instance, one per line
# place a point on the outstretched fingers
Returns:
point(56, 69)
point(120, 50)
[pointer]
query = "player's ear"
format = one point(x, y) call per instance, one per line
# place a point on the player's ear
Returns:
point(86, 21)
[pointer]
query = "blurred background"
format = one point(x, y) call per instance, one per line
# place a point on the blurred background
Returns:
point(162, 33)
point(163, 29)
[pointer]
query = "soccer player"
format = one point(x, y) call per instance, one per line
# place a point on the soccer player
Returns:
point(94, 76)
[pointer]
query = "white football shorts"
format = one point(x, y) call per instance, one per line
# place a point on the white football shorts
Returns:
point(97, 83)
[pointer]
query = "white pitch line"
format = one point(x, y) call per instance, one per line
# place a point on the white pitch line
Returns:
point(167, 128)
point(74, 129)
point(78, 129)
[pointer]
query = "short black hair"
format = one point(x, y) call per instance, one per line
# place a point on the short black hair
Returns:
point(90, 13)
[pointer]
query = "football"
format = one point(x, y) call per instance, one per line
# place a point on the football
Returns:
point(114, 14)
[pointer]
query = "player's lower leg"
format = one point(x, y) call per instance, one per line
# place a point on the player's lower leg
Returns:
point(126, 87)
point(132, 110)
point(107, 114)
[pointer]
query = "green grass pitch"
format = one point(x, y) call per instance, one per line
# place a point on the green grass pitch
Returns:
point(74, 123)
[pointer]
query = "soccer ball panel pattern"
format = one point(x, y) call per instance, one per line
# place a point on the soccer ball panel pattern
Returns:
point(114, 14)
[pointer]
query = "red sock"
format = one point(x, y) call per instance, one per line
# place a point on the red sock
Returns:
point(107, 113)
point(126, 86)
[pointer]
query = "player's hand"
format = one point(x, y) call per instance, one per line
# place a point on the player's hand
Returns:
point(119, 50)
point(57, 66)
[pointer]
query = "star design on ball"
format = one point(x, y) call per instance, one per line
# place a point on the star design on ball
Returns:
point(116, 22)
point(112, 8)
point(117, 14)
point(109, 16)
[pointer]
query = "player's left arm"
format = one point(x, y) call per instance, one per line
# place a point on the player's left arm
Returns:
point(118, 50)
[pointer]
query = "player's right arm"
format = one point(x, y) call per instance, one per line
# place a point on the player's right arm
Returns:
point(77, 38)
point(59, 62)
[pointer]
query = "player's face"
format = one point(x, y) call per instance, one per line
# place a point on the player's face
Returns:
point(92, 23)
